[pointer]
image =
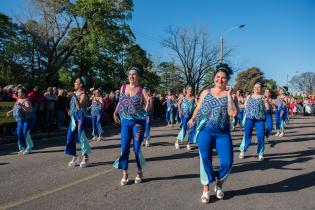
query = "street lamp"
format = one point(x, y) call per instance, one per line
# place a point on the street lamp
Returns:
point(221, 38)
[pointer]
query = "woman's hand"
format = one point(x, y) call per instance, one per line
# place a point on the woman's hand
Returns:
point(229, 89)
point(116, 118)
point(191, 122)
point(9, 113)
point(148, 102)
point(148, 99)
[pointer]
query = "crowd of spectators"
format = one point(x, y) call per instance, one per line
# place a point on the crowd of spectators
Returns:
point(51, 106)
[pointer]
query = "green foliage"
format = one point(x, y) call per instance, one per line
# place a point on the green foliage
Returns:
point(66, 78)
point(151, 80)
point(246, 80)
point(170, 78)
point(272, 86)
point(11, 47)
point(73, 38)
point(209, 80)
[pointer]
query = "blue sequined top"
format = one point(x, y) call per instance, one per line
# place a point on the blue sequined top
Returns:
point(79, 113)
point(279, 104)
point(269, 106)
point(240, 103)
point(20, 114)
point(96, 108)
point(170, 104)
point(215, 113)
point(187, 107)
point(131, 107)
point(255, 108)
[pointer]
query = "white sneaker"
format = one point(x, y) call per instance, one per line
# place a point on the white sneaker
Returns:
point(138, 179)
point(147, 144)
point(205, 198)
point(99, 138)
point(219, 192)
point(21, 151)
point(256, 141)
point(176, 146)
point(188, 147)
point(241, 155)
point(84, 163)
point(261, 157)
point(74, 162)
point(27, 151)
point(281, 134)
point(124, 181)
point(94, 138)
point(277, 134)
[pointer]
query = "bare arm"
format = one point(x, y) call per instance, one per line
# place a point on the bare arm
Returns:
point(286, 102)
point(242, 103)
point(232, 108)
point(267, 104)
point(101, 101)
point(193, 118)
point(148, 103)
point(81, 102)
point(245, 104)
point(116, 109)
point(26, 106)
point(179, 105)
point(9, 113)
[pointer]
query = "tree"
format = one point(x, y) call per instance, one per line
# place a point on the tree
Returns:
point(194, 53)
point(70, 39)
point(170, 77)
point(272, 86)
point(304, 82)
point(11, 47)
point(246, 80)
point(64, 24)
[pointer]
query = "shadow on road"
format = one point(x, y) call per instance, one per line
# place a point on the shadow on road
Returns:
point(151, 159)
point(273, 143)
point(3, 164)
point(303, 126)
point(183, 176)
point(272, 161)
point(291, 184)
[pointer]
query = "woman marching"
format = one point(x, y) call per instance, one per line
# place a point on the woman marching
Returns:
point(97, 111)
point(269, 108)
point(212, 116)
point(148, 118)
point(281, 112)
point(186, 107)
point(78, 122)
point(132, 107)
point(255, 116)
point(25, 117)
point(170, 105)
point(241, 105)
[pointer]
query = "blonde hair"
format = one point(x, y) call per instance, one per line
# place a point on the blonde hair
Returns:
point(61, 92)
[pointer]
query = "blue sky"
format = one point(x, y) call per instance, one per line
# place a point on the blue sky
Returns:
point(279, 36)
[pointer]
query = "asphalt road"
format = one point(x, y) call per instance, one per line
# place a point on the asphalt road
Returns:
point(42, 180)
